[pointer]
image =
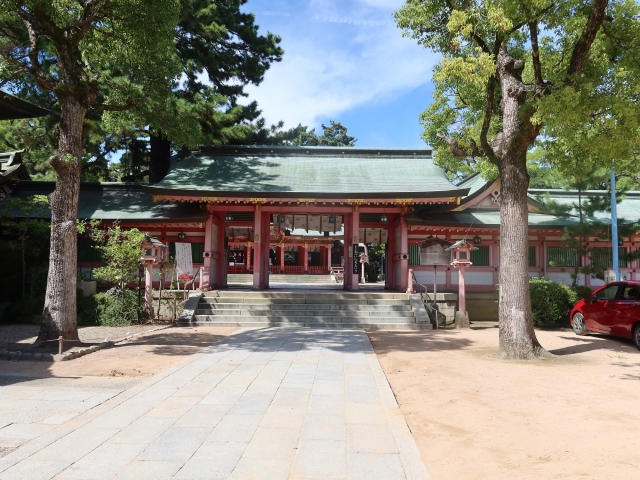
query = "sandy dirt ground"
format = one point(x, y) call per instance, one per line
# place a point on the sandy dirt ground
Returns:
point(142, 356)
point(475, 416)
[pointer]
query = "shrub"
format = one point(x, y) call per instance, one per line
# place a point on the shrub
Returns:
point(117, 308)
point(87, 313)
point(550, 302)
point(582, 292)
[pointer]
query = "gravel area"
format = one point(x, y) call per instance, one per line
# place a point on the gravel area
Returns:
point(21, 337)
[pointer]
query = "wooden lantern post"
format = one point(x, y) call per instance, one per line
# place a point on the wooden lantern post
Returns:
point(461, 260)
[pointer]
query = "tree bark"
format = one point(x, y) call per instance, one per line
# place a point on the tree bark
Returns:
point(160, 157)
point(517, 336)
point(59, 315)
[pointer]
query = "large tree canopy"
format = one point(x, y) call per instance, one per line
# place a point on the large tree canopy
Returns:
point(560, 73)
point(105, 55)
point(221, 52)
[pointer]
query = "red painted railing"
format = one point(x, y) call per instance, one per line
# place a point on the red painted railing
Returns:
point(324, 270)
point(237, 269)
point(294, 269)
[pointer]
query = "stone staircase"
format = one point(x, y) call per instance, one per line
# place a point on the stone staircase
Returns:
point(379, 310)
point(282, 278)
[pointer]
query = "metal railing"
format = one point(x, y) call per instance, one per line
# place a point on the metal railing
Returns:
point(191, 282)
point(431, 306)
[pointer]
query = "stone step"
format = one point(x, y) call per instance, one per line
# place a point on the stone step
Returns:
point(301, 319)
point(356, 325)
point(304, 313)
point(303, 306)
point(303, 301)
point(329, 295)
point(279, 278)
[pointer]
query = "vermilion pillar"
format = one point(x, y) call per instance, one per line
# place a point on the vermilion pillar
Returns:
point(261, 251)
point(281, 258)
point(208, 257)
point(305, 256)
point(248, 257)
point(328, 258)
point(352, 229)
point(223, 259)
point(403, 255)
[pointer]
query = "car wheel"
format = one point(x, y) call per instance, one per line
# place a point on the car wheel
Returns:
point(636, 336)
point(579, 325)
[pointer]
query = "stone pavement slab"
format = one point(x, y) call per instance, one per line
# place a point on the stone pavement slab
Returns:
point(288, 403)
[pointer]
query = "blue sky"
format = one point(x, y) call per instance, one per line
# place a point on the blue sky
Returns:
point(345, 60)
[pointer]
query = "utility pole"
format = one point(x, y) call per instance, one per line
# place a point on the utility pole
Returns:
point(614, 226)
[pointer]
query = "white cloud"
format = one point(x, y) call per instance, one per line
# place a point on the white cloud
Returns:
point(339, 55)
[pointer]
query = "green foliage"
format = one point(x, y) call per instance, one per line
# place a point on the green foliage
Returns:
point(29, 308)
point(593, 116)
point(25, 233)
point(116, 310)
point(550, 302)
point(87, 310)
point(581, 292)
point(121, 250)
point(588, 223)
point(333, 135)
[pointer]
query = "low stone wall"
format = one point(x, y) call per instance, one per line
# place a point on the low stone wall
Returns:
point(482, 306)
point(447, 305)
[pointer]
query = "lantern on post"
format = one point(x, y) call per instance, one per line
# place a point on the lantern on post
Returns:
point(154, 252)
point(461, 260)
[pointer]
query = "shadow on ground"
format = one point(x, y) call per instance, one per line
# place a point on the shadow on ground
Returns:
point(592, 342)
point(399, 341)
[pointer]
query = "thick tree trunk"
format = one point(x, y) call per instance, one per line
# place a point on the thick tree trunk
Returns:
point(160, 158)
point(59, 315)
point(517, 336)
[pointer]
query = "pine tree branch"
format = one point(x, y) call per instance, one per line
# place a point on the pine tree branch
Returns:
point(581, 49)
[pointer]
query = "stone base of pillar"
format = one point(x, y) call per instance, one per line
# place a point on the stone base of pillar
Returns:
point(462, 320)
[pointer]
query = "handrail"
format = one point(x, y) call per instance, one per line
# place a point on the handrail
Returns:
point(191, 282)
point(432, 310)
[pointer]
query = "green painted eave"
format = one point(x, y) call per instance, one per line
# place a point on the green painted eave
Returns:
point(628, 208)
point(126, 202)
point(317, 172)
point(483, 218)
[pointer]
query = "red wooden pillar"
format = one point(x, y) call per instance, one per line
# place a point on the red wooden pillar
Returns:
point(305, 255)
point(390, 274)
point(328, 258)
point(404, 254)
point(282, 258)
point(248, 257)
point(352, 229)
point(223, 259)
point(261, 251)
point(208, 257)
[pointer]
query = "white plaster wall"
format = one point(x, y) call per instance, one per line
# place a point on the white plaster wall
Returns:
point(473, 278)
point(426, 277)
point(564, 277)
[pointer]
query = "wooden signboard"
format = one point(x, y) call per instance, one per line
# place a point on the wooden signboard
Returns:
point(432, 252)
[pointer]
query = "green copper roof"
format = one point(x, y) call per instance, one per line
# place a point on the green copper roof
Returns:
point(485, 218)
point(319, 171)
point(628, 208)
point(117, 201)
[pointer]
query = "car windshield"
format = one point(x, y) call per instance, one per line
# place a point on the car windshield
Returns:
point(630, 292)
point(608, 293)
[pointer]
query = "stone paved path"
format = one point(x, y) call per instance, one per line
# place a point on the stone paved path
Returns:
point(269, 403)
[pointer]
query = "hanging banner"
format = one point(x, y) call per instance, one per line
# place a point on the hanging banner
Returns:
point(355, 260)
point(184, 261)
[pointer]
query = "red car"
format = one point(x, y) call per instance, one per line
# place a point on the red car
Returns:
point(612, 309)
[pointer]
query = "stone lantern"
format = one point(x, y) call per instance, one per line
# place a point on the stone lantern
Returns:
point(154, 252)
point(461, 260)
